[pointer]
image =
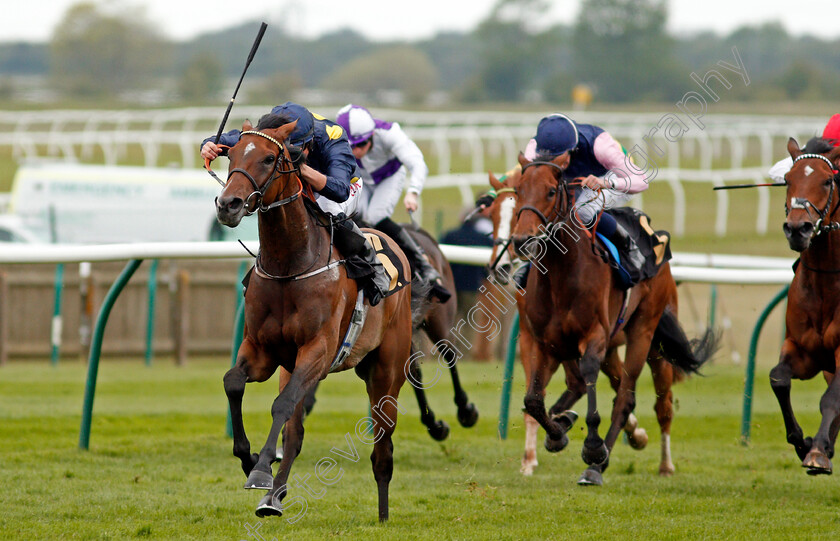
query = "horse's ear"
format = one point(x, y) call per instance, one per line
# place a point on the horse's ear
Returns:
point(494, 182)
point(793, 148)
point(286, 129)
point(562, 160)
point(247, 126)
point(523, 161)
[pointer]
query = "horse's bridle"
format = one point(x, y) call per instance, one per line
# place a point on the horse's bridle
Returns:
point(807, 206)
point(259, 191)
point(560, 205)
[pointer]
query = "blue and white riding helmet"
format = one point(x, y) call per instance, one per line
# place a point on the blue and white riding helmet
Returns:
point(556, 134)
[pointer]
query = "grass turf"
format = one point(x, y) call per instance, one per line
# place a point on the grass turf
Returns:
point(160, 465)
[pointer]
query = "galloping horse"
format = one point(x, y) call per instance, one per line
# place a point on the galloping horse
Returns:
point(298, 306)
point(500, 269)
point(574, 308)
point(812, 335)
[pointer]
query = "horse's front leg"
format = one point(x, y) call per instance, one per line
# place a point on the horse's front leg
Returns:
point(541, 371)
point(595, 452)
point(271, 504)
point(306, 374)
point(234, 382)
point(780, 379)
point(818, 459)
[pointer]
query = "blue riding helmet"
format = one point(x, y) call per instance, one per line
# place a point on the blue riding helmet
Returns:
point(305, 129)
point(556, 134)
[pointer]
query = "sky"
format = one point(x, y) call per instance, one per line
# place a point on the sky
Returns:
point(386, 20)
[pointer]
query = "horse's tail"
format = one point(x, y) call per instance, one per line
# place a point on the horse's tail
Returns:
point(687, 355)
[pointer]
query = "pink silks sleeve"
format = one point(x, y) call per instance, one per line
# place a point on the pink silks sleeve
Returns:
point(624, 174)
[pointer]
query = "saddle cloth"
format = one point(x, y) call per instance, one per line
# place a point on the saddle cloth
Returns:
point(655, 246)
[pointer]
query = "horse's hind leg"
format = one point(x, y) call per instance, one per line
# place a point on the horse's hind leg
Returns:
point(663, 378)
point(467, 412)
point(384, 381)
point(438, 429)
point(780, 378)
point(613, 368)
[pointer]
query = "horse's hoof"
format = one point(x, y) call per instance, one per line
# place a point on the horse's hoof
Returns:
point(639, 439)
point(248, 466)
point(527, 469)
point(666, 470)
point(555, 446)
point(591, 477)
point(817, 463)
point(468, 415)
point(439, 431)
point(594, 455)
point(268, 507)
point(259, 479)
point(803, 451)
point(566, 419)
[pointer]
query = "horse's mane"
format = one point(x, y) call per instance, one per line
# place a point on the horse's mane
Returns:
point(272, 120)
point(817, 145)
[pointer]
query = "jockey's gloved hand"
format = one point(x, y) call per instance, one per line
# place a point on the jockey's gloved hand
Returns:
point(486, 199)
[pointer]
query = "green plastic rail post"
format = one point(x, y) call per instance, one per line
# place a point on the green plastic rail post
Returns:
point(96, 349)
point(713, 293)
point(507, 380)
point(55, 332)
point(749, 380)
point(150, 316)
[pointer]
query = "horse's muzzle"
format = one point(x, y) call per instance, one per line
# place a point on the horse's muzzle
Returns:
point(799, 234)
point(522, 246)
point(230, 210)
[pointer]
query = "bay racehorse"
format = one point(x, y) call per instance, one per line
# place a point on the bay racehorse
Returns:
point(812, 322)
point(574, 307)
point(298, 305)
point(502, 263)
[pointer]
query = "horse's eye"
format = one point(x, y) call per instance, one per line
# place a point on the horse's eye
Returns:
point(268, 160)
point(552, 192)
point(828, 182)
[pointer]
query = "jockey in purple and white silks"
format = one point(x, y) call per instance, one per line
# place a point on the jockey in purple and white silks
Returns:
point(385, 155)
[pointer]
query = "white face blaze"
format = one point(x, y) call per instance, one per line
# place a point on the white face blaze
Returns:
point(808, 170)
point(249, 148)
point(506, 217)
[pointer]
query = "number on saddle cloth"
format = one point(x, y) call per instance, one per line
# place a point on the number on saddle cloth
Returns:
point(390, 261)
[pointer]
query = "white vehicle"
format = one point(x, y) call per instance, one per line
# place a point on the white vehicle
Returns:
point(13, 230)
point(91, 204)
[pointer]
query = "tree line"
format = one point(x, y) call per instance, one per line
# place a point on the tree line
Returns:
point(618, 48)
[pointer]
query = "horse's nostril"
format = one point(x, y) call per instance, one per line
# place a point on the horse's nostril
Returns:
point(806, 228)
point(236, 204)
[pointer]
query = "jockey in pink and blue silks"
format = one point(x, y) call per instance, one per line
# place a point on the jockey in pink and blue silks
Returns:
point(608, 176)
point(385, 155)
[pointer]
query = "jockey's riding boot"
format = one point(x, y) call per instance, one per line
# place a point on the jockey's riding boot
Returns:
point(628, 247)
point(426, 272)
point(362, 261)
